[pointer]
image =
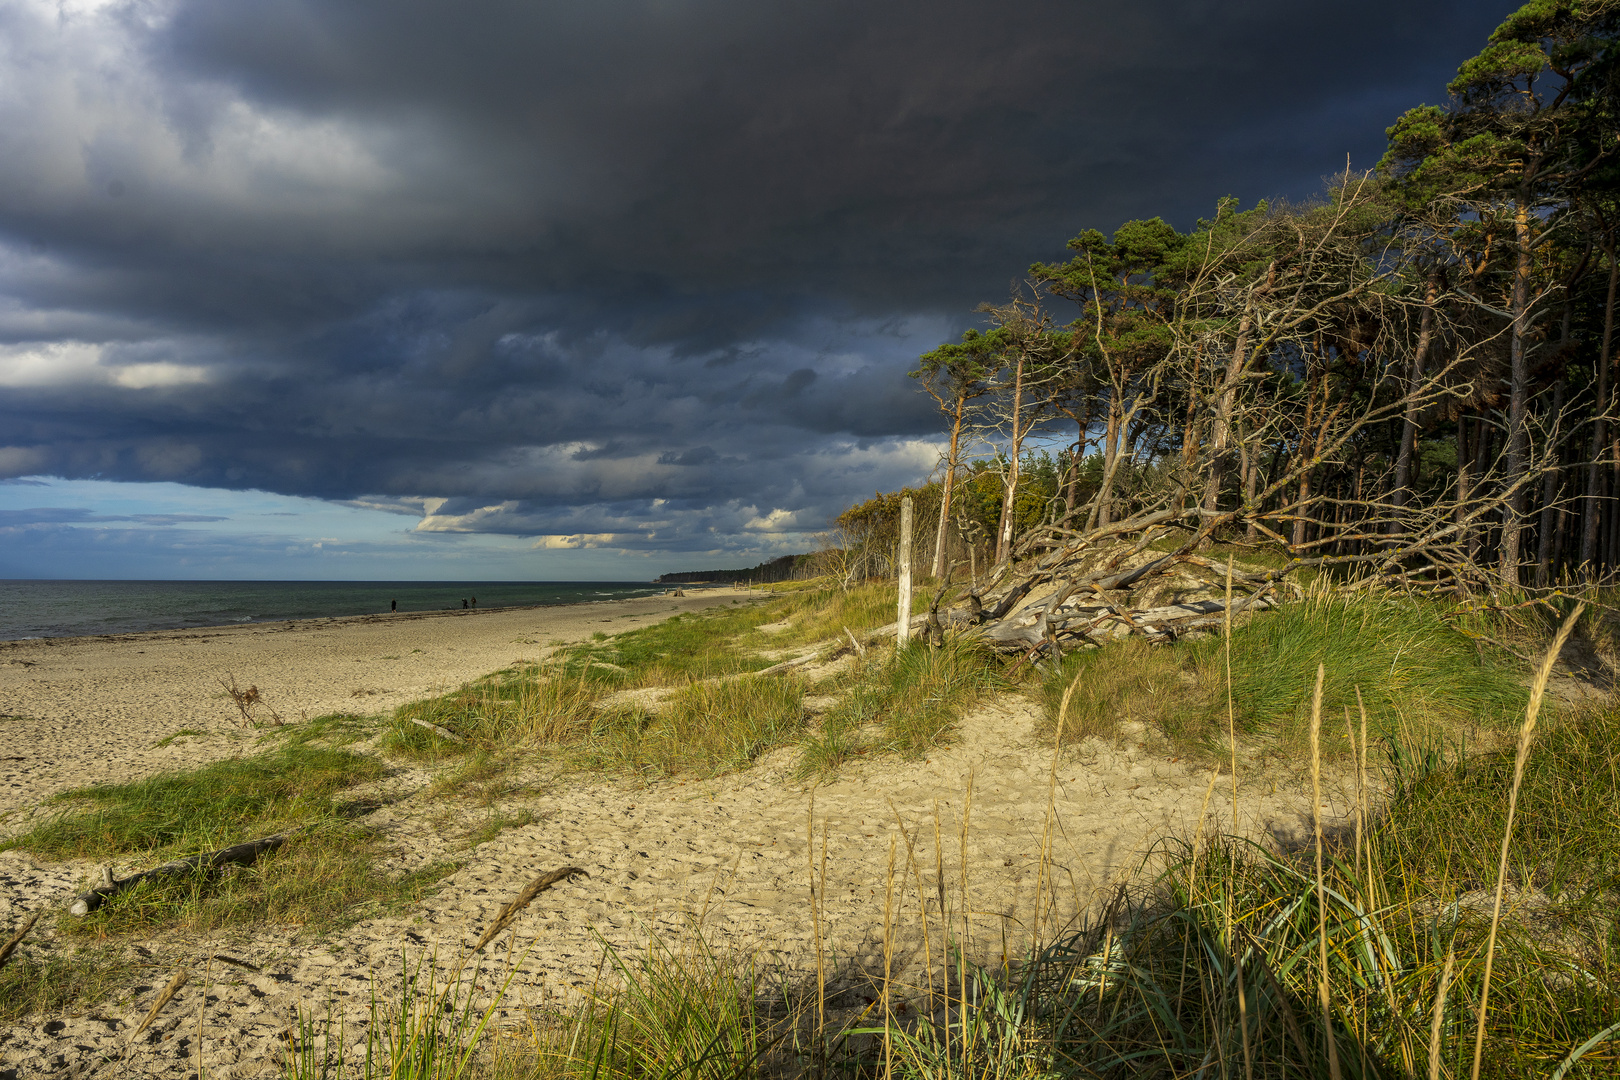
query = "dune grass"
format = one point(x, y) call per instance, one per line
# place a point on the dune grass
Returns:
point(705, 728)
point(1419, 676)
point(1221, 957)
point(709, 717)
point(325, 875)
point(904, 701)
point(1210, 962)
point(61, 979)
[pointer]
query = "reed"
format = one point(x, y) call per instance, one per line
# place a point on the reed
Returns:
point(1527, 733)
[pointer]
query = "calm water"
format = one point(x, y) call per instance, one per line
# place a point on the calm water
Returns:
point(80, 608)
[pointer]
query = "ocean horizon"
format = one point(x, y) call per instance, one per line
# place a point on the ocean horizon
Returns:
point(45, 608)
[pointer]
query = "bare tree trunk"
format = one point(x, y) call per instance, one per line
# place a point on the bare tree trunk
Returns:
point(1225, 405)
point(1100, 515)
point(1464, 484)
point(902, 627)
point(1409, 426)
point(1518, 441)
point(1482, 456)
point(1549, 491)
point(1561, 541)
point(1594, 477)
point(1251, 480)
point(1004, 530)
point(946, 490)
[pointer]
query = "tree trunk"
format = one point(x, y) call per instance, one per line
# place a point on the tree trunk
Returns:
point(1225, 405)
point(1594, 472)
point(1409, 426)
point(1518, 433)
point(1464, 488)
point(1251, 480)
point(1482, 456)
point(1549, 492)
point(1005, 529)
point(1114, 435)
point(946, 489)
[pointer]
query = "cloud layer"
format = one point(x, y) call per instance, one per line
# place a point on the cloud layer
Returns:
point(644, 275)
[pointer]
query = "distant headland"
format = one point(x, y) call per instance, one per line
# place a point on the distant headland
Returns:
point(784, 568)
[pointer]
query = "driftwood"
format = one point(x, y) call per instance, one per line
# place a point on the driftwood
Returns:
point(16, 939)
point(1038, 623)
point(786, 665)
point(443, 733)
point(237, 854)
point(507, 916)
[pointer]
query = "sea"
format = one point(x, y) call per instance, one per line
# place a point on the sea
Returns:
point(40, 609)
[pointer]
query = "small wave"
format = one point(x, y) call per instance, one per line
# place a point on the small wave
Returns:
point(243, 618)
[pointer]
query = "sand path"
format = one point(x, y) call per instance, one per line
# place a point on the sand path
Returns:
point(660, 855)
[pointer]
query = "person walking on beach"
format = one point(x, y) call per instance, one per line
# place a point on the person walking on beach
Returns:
point(393, 605)
point(475, 601)
point(463, 603)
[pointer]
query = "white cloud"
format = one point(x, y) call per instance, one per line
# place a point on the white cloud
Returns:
point(50, 364)
point(144, 376)
point(83, 363)
point(576, 540)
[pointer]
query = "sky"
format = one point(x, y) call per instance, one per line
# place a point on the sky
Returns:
point(527, 289)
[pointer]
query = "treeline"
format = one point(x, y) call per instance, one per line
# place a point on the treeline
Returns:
point(784, 568)
point(1413, 373)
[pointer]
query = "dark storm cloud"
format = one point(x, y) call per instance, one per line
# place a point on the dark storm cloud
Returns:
point(650, 271)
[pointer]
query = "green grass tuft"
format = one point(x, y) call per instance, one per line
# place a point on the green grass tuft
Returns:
point(1420, 677)
point(706, 728)
point(328, 873)
point(60, 979)
point(904, 701)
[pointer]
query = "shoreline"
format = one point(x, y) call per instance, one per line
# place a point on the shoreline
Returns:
point(178, 632)
point(109, 708)
point(654, 592)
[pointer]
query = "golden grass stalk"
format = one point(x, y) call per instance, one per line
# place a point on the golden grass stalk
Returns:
point(1527, 733)
point(1321, 887)
point(523, 899)
point(163, 999)
point(1438, 1020)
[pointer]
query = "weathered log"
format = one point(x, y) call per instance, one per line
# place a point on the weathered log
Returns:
point(777, 669)
point(237, 854)
point(1037, 624)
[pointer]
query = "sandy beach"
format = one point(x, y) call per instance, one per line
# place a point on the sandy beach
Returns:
point(731, 852)
point(89, 710)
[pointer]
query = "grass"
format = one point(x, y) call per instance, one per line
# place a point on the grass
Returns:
point(327, 874)
point(1420, 678)
point(705, 728)
point(1127, 680)
point(904, 701)
point(61, 979)
point(679, 1013)
point(707, 717)
point(1366, 957)
point(168, 740)
point(1210, 963)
